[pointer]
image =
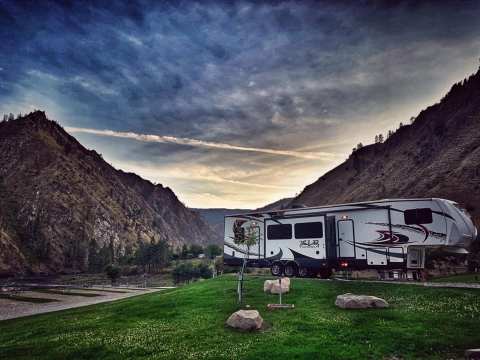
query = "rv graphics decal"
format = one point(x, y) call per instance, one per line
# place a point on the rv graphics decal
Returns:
point(297, 255)
point(309, 243)
point(416, 229)
point(238, 230)
point(239, 249)
point(390, 238)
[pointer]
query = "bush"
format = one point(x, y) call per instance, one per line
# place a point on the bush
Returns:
point(113, 272)
point(187, 271)
point(213, 250)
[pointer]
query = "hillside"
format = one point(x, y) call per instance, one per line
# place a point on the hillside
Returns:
point(189, 323)
point(215, 216)
point(436, 156)
point(63, 206)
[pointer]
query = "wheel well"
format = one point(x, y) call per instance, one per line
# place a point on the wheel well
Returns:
point(292, 262)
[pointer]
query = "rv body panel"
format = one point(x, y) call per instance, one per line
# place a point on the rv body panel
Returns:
point(376, 234)
point(302, 239)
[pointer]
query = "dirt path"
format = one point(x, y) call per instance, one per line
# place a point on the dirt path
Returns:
point(10, 309)
point(427, 284)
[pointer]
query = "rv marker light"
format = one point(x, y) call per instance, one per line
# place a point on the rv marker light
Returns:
point(344, 264)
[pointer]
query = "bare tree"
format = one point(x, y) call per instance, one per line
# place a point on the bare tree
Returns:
point(246, 237)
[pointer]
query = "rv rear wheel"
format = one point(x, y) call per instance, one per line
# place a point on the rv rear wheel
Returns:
point(290, 269)
point(277, 269)
point(303, 271)
point(325, 273)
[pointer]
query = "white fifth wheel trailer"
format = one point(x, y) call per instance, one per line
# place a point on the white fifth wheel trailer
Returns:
point(386, 234)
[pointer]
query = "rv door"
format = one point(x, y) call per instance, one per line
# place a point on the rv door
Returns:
point(346, 239)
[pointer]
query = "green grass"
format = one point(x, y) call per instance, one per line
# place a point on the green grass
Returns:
point(27, 298)
point(188, 323)
point(461, 278)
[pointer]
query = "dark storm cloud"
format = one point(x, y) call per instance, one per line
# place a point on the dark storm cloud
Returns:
point(263, 74)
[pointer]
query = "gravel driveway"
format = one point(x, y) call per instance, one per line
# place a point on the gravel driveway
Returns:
point(10, 309)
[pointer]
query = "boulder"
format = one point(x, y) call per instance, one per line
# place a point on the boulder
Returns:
point(267, 286)
point(245, 320)
point(273, 286)
point(352, 301)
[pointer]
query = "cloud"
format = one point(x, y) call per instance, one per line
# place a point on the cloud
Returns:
point(201, 143)
point(271, 92)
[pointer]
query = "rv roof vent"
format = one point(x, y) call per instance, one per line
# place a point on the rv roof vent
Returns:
point(298, 206)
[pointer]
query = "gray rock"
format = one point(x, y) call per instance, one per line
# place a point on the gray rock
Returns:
point(274, 287)
point(245, 320)
point(352, 301)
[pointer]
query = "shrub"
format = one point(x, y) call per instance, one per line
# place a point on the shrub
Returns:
point(113, 272)
point(187, 271)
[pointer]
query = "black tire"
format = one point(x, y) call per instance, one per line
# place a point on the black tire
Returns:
point(303, 271)
point(276, 269)
point(290, 269)
point(325, 273)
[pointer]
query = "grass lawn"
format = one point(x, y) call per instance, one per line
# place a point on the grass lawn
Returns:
point(461, 278)
point(188, 323)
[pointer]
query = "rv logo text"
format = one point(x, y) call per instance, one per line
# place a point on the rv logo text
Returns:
point(309, 243)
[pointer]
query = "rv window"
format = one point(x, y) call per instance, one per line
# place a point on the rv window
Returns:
point(418, 216)
point(310, 230)
point(279, 232)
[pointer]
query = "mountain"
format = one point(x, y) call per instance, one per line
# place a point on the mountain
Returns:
point(62, 206)
point(215, 216)
point(277, 205)
point(438, 155)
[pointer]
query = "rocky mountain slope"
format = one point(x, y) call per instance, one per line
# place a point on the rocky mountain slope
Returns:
point(61, 204)
point(436, 156)
point(215, 216)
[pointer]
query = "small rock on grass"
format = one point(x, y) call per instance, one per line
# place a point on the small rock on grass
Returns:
point(352, 301)
point(246, 320)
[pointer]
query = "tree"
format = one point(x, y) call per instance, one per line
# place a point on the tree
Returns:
point(153, 256)
point(187, 271)
point(213, 250)
point(218, 264)
point(5, 117)
point(359, 146)
point(11, 117)
point(376, 139)
point(196, 250)
point(412, 119)
point(380, 138)
point(113, 272)
point(400, 125)
point(184, 252)
point(390, 133)
point(246, 237)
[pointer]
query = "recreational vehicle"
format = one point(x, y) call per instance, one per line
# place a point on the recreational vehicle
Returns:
point(391, 234)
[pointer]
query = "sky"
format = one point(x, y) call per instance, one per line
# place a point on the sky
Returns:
point(232, 103)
